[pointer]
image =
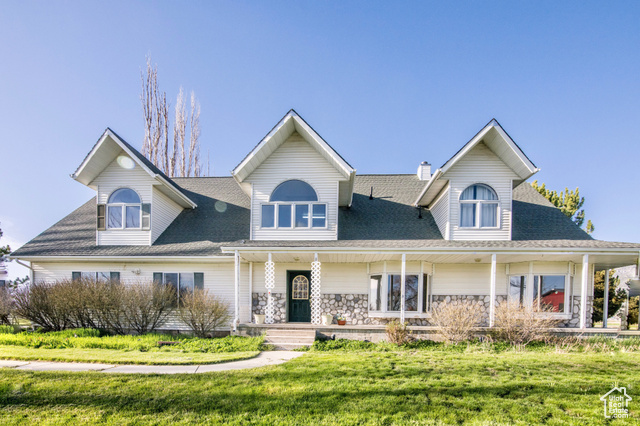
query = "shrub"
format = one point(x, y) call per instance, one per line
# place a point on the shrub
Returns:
point(203, 312)
point(43, 304)
point(455, 321)
point(107, 302)
point(146, 305)
point(521, 325)
point(7, 329)
point(397, 332)
point(343, 344)
point(6, 306)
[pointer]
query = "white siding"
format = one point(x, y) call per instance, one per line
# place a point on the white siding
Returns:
point(440, 212)
point(295, 159)
point(112, 178)
point(342, 278)
point(163, 212)
point(481, 165)
point(468, 279)
point(218, 277)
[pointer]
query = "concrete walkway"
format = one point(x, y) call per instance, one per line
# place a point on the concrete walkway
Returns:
point(262, 360)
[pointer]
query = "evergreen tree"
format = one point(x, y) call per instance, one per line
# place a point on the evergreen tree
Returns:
point(4, 249)
point(616, 296)
point(569, 202)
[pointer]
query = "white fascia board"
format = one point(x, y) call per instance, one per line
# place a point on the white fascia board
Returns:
point(150, 259)
point(108, 133)
point(346, 170)
point(179, 194)
point(75, 175)
point(468, 147)
point(260, 146)
point(436, 175)
point(516, 150)
point(435, 250)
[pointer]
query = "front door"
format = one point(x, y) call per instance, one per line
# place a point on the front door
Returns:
point(299, 291)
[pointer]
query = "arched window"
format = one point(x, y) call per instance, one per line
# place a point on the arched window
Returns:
point(479, 207)
point(124, 209)
point(294, 190)
point(291, 205)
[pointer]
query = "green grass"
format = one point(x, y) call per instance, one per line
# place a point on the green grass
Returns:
point(91, 339)
point(112, 356)
point(339, 387)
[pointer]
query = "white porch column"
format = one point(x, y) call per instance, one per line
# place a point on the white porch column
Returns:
point(316, 307)
point(236, 319)
point(583, 291)
point(605, 303)
point(269, 283)
point(492, 292)
point(403, 272)
point(250, 291)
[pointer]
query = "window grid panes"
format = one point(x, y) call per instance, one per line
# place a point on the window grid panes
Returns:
point(479, 207)
point(294, 215)
point(124, 210)
point(300, 288)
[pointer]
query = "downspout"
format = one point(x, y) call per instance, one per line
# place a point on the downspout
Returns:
point(237, 292)
point(29, 267)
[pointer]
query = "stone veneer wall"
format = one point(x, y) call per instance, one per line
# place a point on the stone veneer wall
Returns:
point(355, 308)
point(259, 302)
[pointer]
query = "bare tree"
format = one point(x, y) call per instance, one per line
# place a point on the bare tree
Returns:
point(180, 160)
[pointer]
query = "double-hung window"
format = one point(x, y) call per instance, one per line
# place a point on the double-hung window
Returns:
point(479, 207)
point(182, 283)
point(385, 292)
point(96, 276)
point(293, 204)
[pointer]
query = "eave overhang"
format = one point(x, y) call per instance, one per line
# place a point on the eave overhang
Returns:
point(107, 149)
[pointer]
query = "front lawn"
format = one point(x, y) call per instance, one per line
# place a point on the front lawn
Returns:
point(436, 386)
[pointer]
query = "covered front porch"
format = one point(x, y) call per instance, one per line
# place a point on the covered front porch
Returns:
point(295, 288)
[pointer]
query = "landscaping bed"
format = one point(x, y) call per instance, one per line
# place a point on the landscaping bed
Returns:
point(87, 345)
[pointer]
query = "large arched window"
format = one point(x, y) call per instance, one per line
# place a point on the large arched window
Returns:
point(479, 207)
point(294, 190)
point(124, 209)
point(293, 204)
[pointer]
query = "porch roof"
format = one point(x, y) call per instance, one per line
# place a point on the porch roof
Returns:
point(601, 259)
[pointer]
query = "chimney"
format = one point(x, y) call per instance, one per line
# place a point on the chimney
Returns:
point(424, 171)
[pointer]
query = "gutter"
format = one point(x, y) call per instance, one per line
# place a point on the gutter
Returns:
point(435, 250)
point(29, 267)
point(434, 177)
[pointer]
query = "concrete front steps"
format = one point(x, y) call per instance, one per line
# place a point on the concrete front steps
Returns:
point(287, 339)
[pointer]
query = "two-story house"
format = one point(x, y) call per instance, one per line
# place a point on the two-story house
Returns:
point(295, 233)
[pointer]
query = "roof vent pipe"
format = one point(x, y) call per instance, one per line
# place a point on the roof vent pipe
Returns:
point(424, 171)
point(371, 194)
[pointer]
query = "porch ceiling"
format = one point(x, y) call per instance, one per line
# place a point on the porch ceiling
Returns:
point(601, 261)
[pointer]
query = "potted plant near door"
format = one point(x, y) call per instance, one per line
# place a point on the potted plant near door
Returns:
point(327, 319)
point(341, 319)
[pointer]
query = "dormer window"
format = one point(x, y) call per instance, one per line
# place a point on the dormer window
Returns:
point(291, 205)
point(126, 211)
point(479, 207)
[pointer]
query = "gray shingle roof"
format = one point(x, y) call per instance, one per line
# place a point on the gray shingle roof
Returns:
point(388, 221)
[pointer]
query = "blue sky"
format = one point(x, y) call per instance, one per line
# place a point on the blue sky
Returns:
point(388, 84)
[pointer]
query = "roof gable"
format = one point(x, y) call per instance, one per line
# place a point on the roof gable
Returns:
point(288, 125)
point(499, 142)
point(108, 148)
